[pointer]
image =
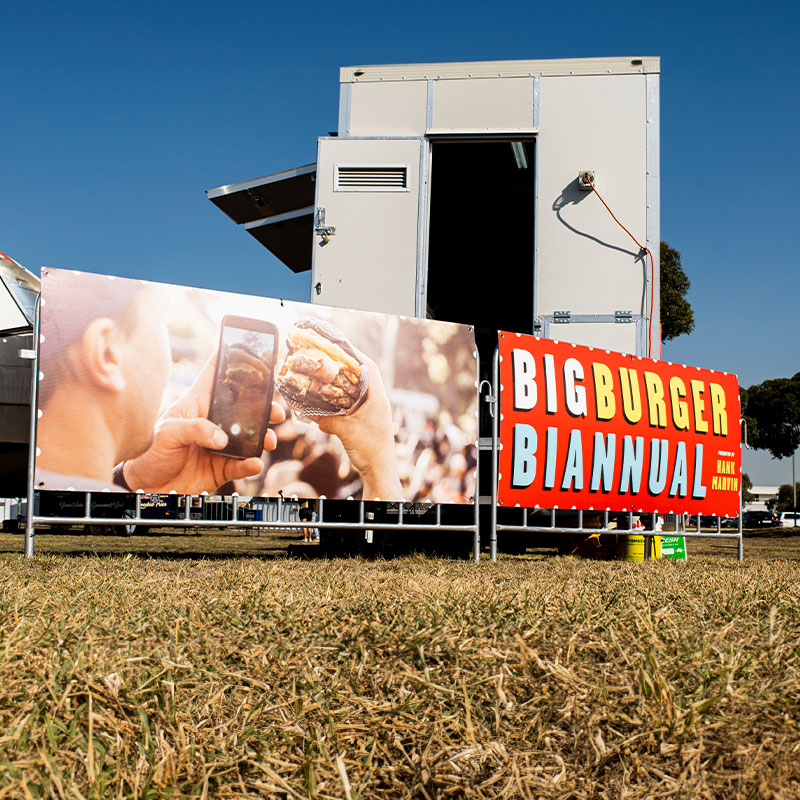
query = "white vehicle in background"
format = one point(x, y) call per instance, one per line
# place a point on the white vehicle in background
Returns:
point(790, 519)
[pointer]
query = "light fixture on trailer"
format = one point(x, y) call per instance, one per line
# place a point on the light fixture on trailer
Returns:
point(586, 179)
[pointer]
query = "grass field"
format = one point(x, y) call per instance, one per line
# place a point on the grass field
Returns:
point(172, 675)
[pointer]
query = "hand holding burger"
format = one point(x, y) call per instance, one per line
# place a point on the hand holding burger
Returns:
point(331, 383)
point(368, 439)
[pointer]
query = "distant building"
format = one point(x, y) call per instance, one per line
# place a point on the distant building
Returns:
point(761, 494)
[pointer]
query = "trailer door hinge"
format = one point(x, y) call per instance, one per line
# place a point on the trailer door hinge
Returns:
point(321, 229)
point(623, 316)
point(561, 317)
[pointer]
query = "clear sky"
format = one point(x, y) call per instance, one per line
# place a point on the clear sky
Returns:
point(117, 117)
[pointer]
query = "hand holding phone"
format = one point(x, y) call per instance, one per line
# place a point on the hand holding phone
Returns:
point(241, 398)
point(184, 455)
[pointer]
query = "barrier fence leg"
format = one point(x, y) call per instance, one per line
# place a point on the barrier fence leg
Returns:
point(32, 431)
point(476, 517)
point(29, 528)
point(495, 412)
point(476, 534)
point(740, 549)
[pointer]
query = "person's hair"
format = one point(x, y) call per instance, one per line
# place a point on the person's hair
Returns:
point(56, 366)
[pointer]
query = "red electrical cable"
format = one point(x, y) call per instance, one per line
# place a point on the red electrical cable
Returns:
point(652, 266)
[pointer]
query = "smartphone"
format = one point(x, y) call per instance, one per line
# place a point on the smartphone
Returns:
point(241, 399)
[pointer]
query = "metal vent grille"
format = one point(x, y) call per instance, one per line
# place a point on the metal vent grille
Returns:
point(372, 179)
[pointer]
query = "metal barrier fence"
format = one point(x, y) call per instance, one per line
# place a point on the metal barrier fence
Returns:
point(218, 515)
point(408, 516)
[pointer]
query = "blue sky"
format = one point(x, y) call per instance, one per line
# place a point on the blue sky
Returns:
point(116, 118)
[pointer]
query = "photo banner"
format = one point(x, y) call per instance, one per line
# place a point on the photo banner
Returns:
point(170, 389)
point(586, 428)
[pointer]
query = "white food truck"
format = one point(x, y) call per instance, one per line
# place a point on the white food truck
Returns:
point(464, 192)
point(518, 196)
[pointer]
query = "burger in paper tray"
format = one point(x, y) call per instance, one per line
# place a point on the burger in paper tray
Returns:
point(322, 374)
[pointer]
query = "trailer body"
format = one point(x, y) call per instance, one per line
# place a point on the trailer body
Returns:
point(452, 191)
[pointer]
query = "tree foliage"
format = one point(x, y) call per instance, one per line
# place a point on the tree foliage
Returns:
point(783, 502)
point(747, 485)
point(772, 412)
point(677, 316)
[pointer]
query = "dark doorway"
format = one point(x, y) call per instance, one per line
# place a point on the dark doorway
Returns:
point(481, 234)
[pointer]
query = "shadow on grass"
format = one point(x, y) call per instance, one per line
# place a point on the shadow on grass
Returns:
point(774, 533)
point(774, 544)
point(156, 545)
point(154, 555)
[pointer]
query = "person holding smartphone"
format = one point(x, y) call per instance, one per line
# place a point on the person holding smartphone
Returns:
point(104, 365)
point(179, 456)
point(104, 368)
point(182, 454)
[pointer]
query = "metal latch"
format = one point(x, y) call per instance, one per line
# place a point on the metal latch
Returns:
point(561, 317)
point(27, 355)
point(256, 199)
point(623, 316)
point(321, 229)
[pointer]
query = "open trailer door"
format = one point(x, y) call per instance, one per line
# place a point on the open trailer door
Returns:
point(367, 224)
point(277, 210)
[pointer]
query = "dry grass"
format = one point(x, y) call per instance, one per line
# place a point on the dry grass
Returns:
point(127, 677)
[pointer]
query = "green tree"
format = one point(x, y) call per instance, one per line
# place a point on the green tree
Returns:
point(677, 316)
point(772, 412)
point(784, 499)
point(747, 485)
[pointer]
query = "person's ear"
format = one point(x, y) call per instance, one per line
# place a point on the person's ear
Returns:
point(102, 354)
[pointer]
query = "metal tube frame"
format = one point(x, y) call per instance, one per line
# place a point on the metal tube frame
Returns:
point(29, 513)
point(185, 522)
point(494, 410)
point(32, 519)
point(647, 533)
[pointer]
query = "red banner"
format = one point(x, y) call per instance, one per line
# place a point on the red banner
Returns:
point(590, 429)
